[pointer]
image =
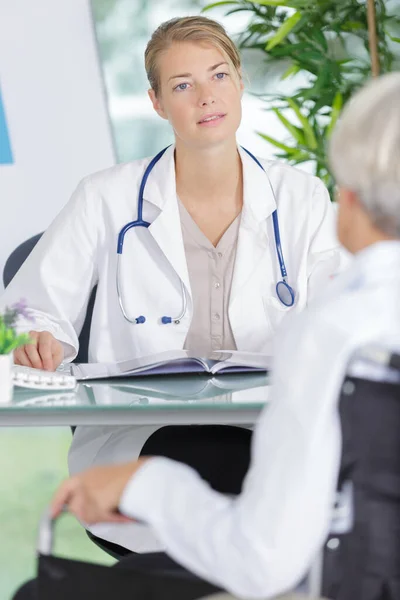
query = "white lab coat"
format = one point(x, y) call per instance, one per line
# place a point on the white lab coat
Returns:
point(79, 250)
point(263, 542)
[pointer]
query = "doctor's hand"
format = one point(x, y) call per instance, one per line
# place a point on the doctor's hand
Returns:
point(45, 352)
point(93, 496)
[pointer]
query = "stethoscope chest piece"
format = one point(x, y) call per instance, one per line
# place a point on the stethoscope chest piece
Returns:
point(285, 293)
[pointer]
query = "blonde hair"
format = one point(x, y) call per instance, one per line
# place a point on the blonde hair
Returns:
point(184, 29)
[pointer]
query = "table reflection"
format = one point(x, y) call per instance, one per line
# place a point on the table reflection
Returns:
point(152, 391)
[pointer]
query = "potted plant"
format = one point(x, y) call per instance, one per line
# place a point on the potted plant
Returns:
point(10, 339)
point(331, 47)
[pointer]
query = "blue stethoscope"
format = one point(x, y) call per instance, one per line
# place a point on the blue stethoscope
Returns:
point(284, 291)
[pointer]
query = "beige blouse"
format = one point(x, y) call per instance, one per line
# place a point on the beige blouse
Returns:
point(210, 273)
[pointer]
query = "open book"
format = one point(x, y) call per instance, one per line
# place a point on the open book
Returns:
point(174, 363)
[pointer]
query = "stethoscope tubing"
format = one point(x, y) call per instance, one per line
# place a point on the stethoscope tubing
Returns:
point(275, 221)
point(139, 222)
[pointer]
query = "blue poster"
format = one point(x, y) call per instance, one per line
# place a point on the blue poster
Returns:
point(6, 157)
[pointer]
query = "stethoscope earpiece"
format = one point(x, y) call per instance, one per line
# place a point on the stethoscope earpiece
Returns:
point(140, 319)
point(168, 320)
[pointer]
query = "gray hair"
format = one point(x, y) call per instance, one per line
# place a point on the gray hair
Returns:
point(364, 151)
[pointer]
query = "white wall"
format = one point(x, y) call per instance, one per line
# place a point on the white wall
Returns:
point(55, 109)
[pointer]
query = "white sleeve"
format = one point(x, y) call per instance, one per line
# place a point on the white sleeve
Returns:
point(261, 543)
point(59, 274)
point(326, 258)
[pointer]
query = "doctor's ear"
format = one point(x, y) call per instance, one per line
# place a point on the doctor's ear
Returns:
point(239, 79)
point(157, 104)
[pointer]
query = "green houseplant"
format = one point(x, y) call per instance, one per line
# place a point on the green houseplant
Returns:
point(328, 42)
point(10, 339)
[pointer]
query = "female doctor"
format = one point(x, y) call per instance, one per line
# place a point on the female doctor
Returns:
point(202, 247)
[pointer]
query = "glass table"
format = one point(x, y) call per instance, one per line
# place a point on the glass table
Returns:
point(182, 399)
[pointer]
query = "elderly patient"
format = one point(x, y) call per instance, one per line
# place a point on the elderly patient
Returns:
point(262, 542)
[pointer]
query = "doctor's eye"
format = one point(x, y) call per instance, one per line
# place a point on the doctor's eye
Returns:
point(181, 87)
point(221, 76)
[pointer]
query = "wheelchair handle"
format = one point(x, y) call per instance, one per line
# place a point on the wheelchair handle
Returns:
point(45, 537)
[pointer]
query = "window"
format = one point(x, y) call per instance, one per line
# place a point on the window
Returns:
point(123, 28)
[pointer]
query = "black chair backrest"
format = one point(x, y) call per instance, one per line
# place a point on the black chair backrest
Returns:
point(17, 257)
point(15, 261)
point(364, 564)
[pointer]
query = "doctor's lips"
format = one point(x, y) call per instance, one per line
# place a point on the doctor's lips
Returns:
point(211, 119)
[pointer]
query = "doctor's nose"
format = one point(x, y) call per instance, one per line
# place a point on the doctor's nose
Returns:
point(207, 101)
point(206, 98)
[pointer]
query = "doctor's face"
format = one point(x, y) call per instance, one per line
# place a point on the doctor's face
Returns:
point(200, 94)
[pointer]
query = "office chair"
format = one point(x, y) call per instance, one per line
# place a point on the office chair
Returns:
point(13, 264)
point(361, 557)
point(15, 261)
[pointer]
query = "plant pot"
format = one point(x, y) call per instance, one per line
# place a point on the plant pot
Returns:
point(6, 387)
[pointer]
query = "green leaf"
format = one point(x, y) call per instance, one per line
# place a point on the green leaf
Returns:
point(296, 132)
point(270, 2)
point(290, 49)
point(232, 11)
point(9, 339)
point(352, 26)
point(319, 37)
point(286, 3)
point(283, 31)
point(292, 70)
point(299, 156)
point(295, 158)
point(311, 55)
point(308, 130)
point(214, 4)
point(302, 159)
point(284, 147)
point(336, 108)
point(392, 37)
point(16, 342)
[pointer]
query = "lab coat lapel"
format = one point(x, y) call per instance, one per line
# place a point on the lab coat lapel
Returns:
point(258, 204)
point(166, 227)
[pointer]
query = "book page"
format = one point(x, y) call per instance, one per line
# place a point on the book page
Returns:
point(170, 362)
point(235, 361)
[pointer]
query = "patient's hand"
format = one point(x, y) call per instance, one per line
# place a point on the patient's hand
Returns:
point(44, 353)
point(93, 496)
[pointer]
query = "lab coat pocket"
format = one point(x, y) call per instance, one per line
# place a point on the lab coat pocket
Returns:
point(275, 311)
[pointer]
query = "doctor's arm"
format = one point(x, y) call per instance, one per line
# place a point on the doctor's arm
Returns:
point(262, 542)
point(56, 281)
